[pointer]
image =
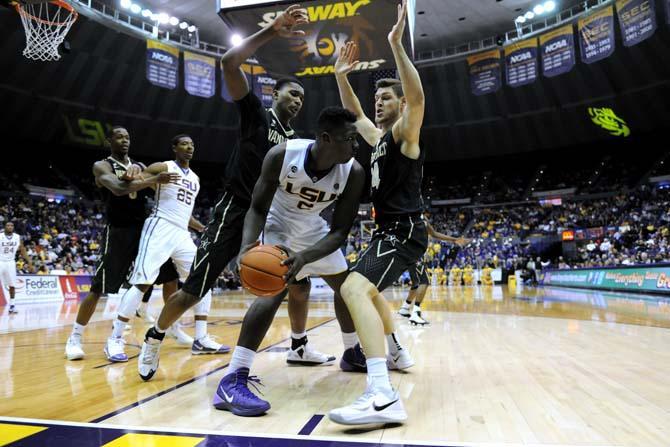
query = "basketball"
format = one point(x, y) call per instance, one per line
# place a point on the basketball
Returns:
point(261, 272)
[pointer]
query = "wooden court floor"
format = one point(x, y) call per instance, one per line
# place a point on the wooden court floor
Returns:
point(545, 366)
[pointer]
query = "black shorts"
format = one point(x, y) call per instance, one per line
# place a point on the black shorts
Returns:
point(418, 275)
point(218, 246)
point(396, 246)
point(118, 250)
point(167, 273)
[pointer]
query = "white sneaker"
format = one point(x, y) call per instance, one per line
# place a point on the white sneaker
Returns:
point(373, 407)
point(73, 349)
point(114, 350)
point(417, 320)
point(178, 334)
point(305, 355)
point(404, 310)
point(147, 363)
point(145, 315)
point(206, 345)
point(399, 360)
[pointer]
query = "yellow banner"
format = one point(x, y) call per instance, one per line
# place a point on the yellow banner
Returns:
point(493, 54)
point(605, 12)
point(156, 45)
point(564, 30)
point(516, 46)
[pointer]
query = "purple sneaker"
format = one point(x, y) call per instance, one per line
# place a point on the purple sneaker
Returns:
point(234, 395)
point(353, 360)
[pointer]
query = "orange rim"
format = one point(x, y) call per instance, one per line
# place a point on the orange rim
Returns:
point(59, 3)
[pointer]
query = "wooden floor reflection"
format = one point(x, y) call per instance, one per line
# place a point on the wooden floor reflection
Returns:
point(545, 366)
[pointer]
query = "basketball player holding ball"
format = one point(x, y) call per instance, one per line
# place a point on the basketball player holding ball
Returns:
point(260, 129)
point(299, 179)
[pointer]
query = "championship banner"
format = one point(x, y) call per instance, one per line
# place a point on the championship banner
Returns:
point(484, 71)
point(199, 75)
point(332, 24)
point(637, 19)
point(596, 35)
point(557, 50)
point(521, 63)
point(639, 279)
point(264, 85)
point(162, 65)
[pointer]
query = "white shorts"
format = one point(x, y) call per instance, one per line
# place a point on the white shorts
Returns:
point(8, 273)
point(160, 241)
point(301, 233)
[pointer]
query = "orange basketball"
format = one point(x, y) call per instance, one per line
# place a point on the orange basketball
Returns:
point(261, 272)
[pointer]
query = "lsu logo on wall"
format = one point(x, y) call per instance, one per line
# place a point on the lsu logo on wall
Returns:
point(319, 13)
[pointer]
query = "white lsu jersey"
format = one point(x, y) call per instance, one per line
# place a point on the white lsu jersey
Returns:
point(9, 246)
point(293, 219)
point(175, 201)
point(298, 194)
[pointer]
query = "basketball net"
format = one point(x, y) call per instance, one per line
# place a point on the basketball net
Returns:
point(46, 25)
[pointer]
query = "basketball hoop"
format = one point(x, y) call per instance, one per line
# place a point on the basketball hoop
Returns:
point(46, 25)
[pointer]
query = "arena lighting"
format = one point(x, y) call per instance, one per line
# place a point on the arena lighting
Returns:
point(529, 15)
point(174, 21)
point(125, 4)
point(135, 8)
point(163, 18)
point(520, 19)
point(538, 9)
point(146, 13)
point(235, 39)
point(183, 25)
point(191, 29)
point(549, 6)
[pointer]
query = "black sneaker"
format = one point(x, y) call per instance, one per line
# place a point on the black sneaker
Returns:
point(353, 360)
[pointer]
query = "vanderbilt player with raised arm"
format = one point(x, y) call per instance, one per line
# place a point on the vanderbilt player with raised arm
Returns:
point(401, 238)
point(119, 179)
point(260, 129)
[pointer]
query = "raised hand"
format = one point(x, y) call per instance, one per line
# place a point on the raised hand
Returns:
point(395, 36)
point(286, 21)
point(347, 59)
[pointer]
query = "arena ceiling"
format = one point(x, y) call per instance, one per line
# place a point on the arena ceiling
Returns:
point(438, 22)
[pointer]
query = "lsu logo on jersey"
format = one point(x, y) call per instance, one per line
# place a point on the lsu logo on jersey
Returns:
point(310, 196)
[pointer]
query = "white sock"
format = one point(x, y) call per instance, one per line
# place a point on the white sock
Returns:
point(118, 325)
point(129, 302)
point(162, 331)
point(378, 375)
point(78, 329)
point(11, 301)
point(416, 309)
point(349, 339)
point(298, 336)
point(242, 358)
point(200, 329)
point(393, 343)
point(405, 305)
